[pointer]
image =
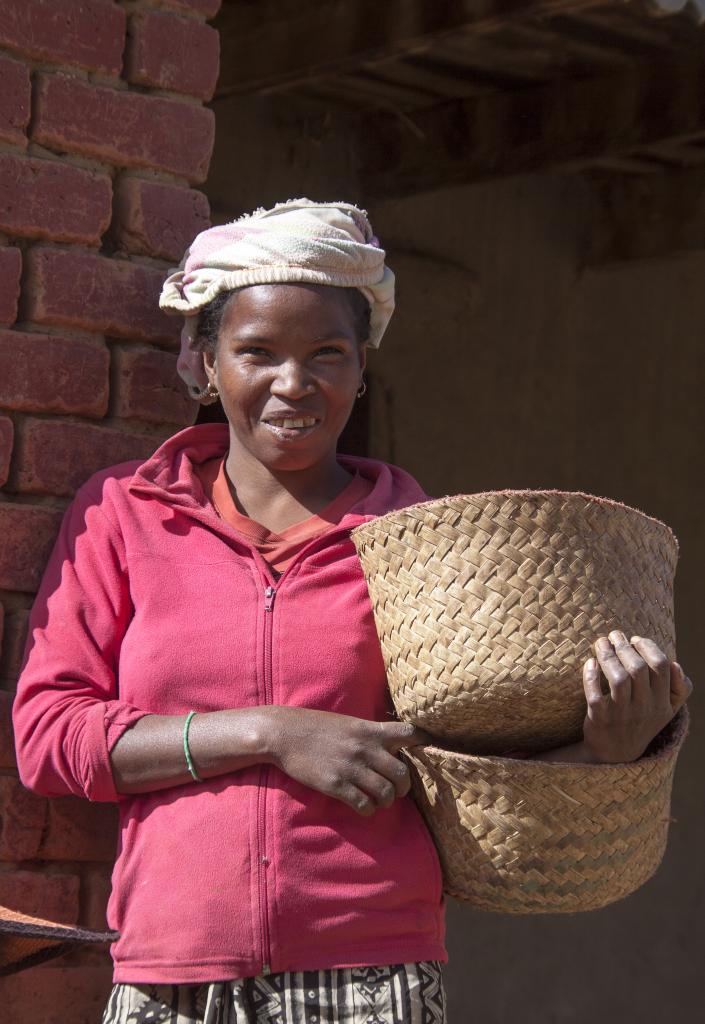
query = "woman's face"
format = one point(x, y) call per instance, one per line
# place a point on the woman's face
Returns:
point(287, 365)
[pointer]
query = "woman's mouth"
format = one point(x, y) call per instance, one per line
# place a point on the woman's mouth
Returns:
point(291, 427)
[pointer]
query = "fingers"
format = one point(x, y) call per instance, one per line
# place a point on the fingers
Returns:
point(394, 770)
point(369, 776)
point(637, 671)
point(403, 734)
point(355, 798)
point(659, 666)
point(591, 684)
point(635, 665)
point(616, 674)
point(680, 686)
point(367, 789)
point(380, 789)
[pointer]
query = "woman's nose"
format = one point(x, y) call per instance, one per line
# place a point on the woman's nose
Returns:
point(292, 380)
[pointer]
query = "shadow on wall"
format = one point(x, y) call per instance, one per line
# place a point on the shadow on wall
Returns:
point(529, 370)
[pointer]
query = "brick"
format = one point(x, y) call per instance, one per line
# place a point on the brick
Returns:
point(22, 821)
point(51, 994)
point(53, 897)
point(15, 101)
point(7, 433)
point(169, 52)
point(147, 387)
point(94, 899)
point(127, 129)
point(79, 830)
point(86, 33)
point(80, 289)
point(15, 635)
point(7, 742)
point(10, 274)
point(27, 534)
point(46, 373)
point(56, 457)
point(48, 199)
point(157, 220)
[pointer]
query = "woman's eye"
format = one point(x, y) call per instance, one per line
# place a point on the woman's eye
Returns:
point(327, 350)
point(253, 350)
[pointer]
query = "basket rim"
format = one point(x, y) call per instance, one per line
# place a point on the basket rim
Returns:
point(17, 922)
point(678, 727)
point(523, 492)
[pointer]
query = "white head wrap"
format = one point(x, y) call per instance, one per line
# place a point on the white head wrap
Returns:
point(296, 241)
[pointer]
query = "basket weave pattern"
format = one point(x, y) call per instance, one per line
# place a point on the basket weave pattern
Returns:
point(487, 606)
point(26, 940)
point(540, 837)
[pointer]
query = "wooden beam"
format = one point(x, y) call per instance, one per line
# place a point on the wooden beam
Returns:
point(629, 30)
point(567, 123)
point(564, 53)
point(288, 45)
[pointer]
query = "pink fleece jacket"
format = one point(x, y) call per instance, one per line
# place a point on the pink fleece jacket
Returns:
point(153, 604)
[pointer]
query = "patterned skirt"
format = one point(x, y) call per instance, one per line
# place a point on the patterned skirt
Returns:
point(398, 994)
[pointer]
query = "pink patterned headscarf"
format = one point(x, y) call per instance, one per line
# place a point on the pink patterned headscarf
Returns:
point(296, 241)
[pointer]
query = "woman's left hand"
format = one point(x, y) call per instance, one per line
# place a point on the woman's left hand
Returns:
point(644, 691)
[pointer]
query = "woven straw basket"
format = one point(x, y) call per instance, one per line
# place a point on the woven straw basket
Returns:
point(487, 606)
point(524, 837)
point(26, 941)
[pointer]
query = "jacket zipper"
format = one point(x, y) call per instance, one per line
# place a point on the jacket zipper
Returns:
point(270, 593)
point(269, 596)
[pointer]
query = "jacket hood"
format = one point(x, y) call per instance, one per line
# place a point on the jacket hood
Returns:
point(168, 475)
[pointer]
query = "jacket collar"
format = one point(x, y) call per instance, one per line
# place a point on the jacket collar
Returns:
point(168, 475)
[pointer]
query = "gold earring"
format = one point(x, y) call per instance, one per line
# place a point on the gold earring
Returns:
point(208, 396)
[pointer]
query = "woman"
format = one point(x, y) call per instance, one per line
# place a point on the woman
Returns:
point(203, 651)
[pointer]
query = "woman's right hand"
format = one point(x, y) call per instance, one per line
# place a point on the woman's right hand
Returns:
point(351, 759)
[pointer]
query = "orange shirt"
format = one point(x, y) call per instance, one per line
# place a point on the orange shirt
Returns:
point(278, 549)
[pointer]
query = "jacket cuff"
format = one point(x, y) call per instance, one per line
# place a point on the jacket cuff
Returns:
point(103, 727)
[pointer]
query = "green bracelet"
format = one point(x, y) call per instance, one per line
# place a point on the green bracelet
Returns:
point(187, 753)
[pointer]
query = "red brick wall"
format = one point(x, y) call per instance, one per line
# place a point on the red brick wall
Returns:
point(103, 133)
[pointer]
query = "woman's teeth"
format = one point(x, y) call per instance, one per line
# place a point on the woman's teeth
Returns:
point(291, 424)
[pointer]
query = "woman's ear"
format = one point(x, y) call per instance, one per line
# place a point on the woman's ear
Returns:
point(210, 365)
point(363, 356)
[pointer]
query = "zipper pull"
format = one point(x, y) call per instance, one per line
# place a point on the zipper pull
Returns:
point(269, 595)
